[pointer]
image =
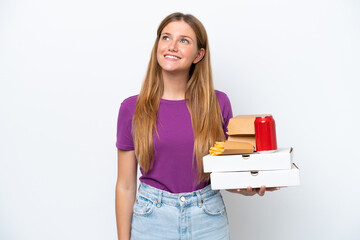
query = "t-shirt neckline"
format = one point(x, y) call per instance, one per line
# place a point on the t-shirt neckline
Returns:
point(172, 101)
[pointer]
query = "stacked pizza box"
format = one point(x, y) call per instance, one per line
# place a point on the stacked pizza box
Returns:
point(239, 164)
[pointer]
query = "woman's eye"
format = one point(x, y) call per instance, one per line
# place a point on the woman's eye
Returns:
point(165, 38)
point(184, 41)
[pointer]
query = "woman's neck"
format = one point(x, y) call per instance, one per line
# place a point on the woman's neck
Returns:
point(174, 85)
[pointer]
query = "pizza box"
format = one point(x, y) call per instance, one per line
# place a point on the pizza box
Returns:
point(275, 178)
point(281, 159)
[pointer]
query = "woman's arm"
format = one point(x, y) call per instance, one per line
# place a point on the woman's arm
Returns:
point(125, 192)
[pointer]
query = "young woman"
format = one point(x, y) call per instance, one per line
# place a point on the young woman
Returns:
point(167, 129)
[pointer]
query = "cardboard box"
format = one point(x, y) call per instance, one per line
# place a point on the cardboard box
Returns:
point(234, 180)
point(243, 124)
point(243, 138)
point(281, 159)
point(237, 148)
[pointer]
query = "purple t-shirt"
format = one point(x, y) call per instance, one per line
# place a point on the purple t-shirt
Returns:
point(173, 169)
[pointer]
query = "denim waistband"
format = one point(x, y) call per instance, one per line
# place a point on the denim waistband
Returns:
point(176, 199)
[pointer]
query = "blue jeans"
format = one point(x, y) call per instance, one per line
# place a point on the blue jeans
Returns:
point(160, 215)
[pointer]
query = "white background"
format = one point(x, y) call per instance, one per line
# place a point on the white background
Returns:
point(65, 67)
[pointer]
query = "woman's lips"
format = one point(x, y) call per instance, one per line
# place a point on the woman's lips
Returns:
point(171, 57)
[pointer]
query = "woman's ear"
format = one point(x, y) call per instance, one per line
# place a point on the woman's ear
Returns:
point(199, 56)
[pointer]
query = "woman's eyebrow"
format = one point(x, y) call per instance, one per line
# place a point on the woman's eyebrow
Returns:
point(166, 33)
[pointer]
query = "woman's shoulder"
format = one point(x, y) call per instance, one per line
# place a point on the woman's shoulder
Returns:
point(130, 103)
point(225, 107)
point(131, 99)
point(222, 97)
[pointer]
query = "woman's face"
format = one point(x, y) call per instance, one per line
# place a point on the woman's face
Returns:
point(177, 48)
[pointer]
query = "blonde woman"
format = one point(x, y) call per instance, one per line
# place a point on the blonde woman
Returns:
point(167, 129)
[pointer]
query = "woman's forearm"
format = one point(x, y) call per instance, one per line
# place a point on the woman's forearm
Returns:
point(124, 201)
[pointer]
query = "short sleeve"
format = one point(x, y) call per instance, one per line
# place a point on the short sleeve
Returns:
point(227, 114)
point(124, 139)
point(226, 110)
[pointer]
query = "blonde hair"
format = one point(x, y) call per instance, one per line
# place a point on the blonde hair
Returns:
point(200, 96)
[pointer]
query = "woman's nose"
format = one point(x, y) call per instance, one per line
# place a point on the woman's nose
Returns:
point(173, 46)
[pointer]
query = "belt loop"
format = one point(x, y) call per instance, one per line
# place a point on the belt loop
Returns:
point(160, 197)
point(200, 202)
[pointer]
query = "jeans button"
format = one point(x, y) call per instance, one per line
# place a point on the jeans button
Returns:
point(182, 198)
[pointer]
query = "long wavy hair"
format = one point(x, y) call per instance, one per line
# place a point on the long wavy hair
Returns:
point(200, 98)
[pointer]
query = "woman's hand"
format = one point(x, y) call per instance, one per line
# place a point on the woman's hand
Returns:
point(249, 191)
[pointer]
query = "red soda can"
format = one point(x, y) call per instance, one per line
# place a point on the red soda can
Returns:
point(265, 134)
